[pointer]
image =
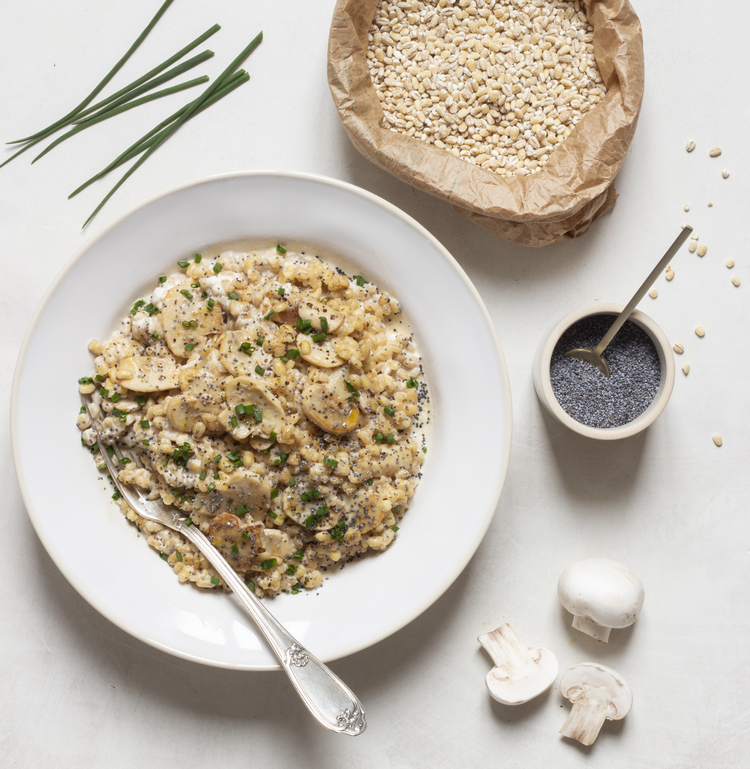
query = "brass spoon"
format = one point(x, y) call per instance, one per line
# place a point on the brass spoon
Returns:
point(594, 357)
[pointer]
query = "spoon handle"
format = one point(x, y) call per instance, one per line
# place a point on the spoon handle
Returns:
point(641, 292)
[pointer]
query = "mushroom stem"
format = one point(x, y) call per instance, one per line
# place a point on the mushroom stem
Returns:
point(507, 652)
point(589, 627)
point(587, 715)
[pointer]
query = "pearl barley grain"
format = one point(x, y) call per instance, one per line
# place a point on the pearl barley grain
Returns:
point(690, 146)
point(717, 439)
point(702, 250)
point(735, 281)
point(700, 331)
point(686, 369)
point(653, 293)
point(730, 264)
point(678, 348)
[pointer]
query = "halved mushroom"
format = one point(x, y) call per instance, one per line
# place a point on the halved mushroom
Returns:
point(598, 694)
point(314, 311)
point(187, 320)
point(319, 513)
point(383, 460)
point(244, 487)
point(327, 405)
point(239, 542)
point(276, 547)
point(320, 354)
point(239, 351)
point(200, 384)
point(185, 412)
point(145, 373)
point(264, 413)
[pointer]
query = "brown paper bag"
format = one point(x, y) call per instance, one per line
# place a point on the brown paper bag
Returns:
point(574, 187)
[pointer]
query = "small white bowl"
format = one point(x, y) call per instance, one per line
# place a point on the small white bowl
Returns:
point(543, 384)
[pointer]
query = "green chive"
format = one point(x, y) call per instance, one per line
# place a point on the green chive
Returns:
point(424, 449)
point(388, 410)
point(247, 348)
point(291, 569)
point(271, 513)
point(202, 475)
point(241, 510)
point(211, 486)
point(298, 555)
point(361, 280)
point(259, 340)
point(215, 581)
point(164, 556)
point(292, 481)
point(218, 267)
point(82, 410)
point(197, 258)
point(412, 383)
point(292, 353)
point(116, 496)
point(178, 555)
point(186, 293)
point(394, 527)
point(145, 424)
point(190, 346)
point(232, 295)
point(146, 442)
point(210, 304)
point(258, 415)
point(378, 437)
point(318, 337)
point(233, 421)
point(391, 438)
point(216, 459)
point(274, 494)
point(332, 463)
point(85, 380)
point(268, 315)
point(250, 585)
point(281, 291)
point(259, 370)
point(370, 481)
point(280, 249)
point(235, 550)
point(183, 263)
point(324, 324)
point(104, 392)
point(154, 336)
point(162, 278)
point(281, 460)
point(268, 564)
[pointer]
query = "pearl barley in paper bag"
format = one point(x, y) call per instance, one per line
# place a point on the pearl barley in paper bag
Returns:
point(558, 201)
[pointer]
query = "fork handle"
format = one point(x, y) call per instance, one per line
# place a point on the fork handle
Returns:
point(326, 696)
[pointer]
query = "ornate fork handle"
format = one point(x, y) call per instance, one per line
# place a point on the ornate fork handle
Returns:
point(326, 696)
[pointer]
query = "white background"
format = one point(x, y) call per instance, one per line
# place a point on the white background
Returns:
point(77, 691)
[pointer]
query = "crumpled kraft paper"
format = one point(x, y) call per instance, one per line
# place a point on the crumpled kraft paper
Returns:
point(561, 201)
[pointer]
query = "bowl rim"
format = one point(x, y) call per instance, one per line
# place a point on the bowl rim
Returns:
point(654, 409)
point(499, 477)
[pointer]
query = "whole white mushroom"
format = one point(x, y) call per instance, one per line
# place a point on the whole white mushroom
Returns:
point(601, 594)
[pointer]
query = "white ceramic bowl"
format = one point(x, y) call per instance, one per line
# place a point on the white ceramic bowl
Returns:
point(543, 385)
point(105, 559)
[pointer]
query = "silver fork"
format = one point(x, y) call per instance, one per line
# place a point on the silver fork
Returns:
point(326, 696)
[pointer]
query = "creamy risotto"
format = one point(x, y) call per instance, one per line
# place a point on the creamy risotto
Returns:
point(274, 399)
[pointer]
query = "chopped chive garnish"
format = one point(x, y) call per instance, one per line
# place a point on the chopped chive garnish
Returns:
point(210, 304)
point(98, 378)
point(370, 481)
point(245, 535)
point(379, 437)
point(164, 556)
point(281, 291)
point(259, 340)
point(197, 258)
point(211, 486)
point(318, 337)
point(82, 410)
point(85, 380)
point(315, 518)
point(394, 527)
point(183, 263)
point(292, 353)
point(324, 324)
point(268, 563)
point(204, 294)
point(216, 459)
point(331, 462)
point(186, 293)
point(104, 392)
point(351, 388)
point(338, 531)
point(190, 346)
point(298, 555)
point(412, 383)
point(162, 278)
point(195, 285)
point(304, 325)
point(274, 494)
point(165, 462)
point(140, 400)
point(247, 348)
point(233, 421)
point(216, 476)
point(281, 460)
point(424, 449)
point(215, 581)
point(292, 481)
point(218, 267)
point(178, 555)
point(268, 315)
point(280, 249)
point(235, 550)
point(361, 280)
point(390, 438)
point(137, 306)
point(116, 496)
point(202, 475)
point(239, 409)
point(115, 397)
point(188, 523)
point(190, 323)
point(306, 496)
point(146, 442)
point(241, 510)
point(232, 295)
point(258, 415)
point(151, 309)
point(388, 410)
point(272, 436)
point(250, 584)
point(397, 508)
point(110, 452)
point(296, 588)
point(271, 514)
point(155, 336)
point(259, 370)
point(145, 424)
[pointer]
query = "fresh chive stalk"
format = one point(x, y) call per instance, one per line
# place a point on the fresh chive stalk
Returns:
point(193, 107)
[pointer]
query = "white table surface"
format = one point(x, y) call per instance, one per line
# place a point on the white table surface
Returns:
point(77, 691)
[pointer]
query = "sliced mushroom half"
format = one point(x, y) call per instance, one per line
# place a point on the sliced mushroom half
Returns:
point(185, 412)
point(240, 352)
point(187, 320)
point(276, 545)
point(145, 373)
point(239, 542)
point(320, 354)
point(244, 487)
point(319, 514)
point(264, 413)
point(314, 311)
point(327, 405)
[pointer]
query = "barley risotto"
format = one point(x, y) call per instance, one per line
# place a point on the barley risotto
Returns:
point(277, 401)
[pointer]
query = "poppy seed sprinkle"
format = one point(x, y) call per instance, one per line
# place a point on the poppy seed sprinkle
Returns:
point(585, 393)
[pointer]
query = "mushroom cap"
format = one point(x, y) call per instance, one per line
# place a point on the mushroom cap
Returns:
point(515, 690)
point(602, 591)
point(590, 675)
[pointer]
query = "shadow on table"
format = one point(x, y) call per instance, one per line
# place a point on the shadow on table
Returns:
point(594, 470)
